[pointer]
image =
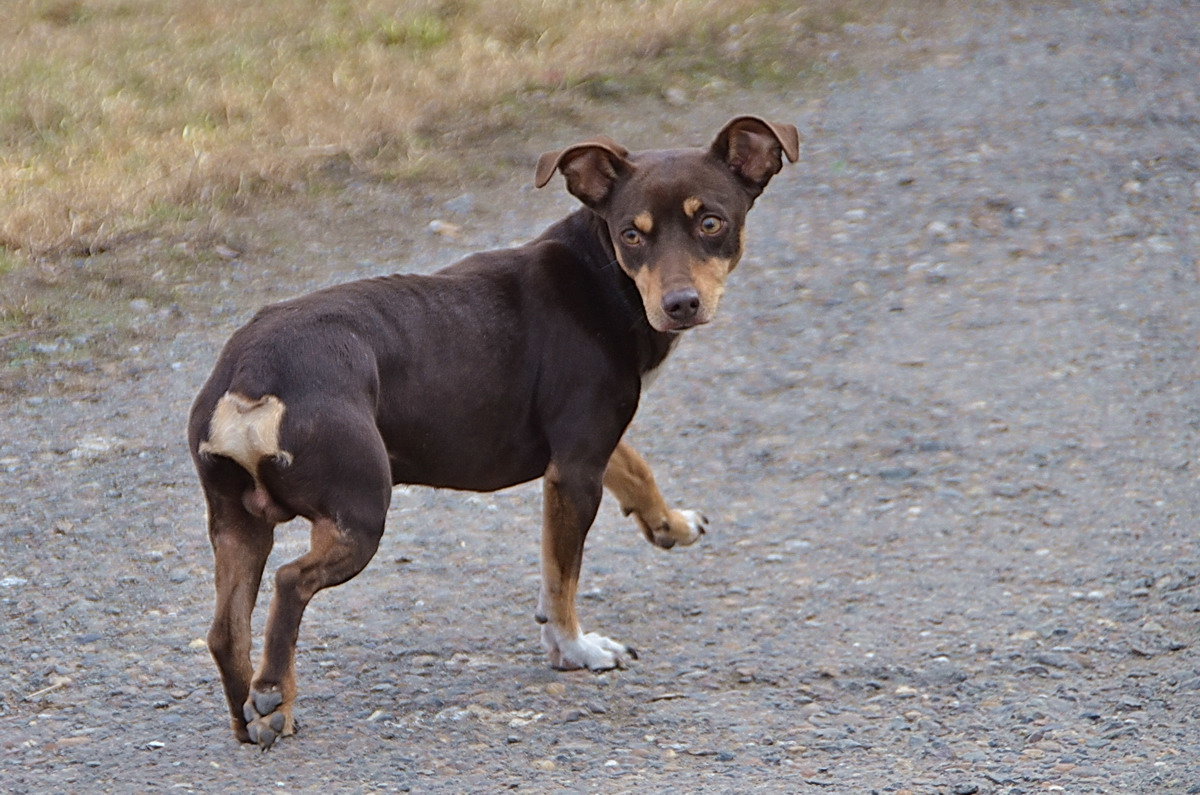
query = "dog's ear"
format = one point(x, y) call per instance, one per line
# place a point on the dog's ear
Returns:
point(753, 148)
point(591, 168)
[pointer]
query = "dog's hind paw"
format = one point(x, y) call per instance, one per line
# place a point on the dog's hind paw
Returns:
point(591, 651)
point(267, 719)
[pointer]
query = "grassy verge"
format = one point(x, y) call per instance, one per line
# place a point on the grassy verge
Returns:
point(118, 116)
point(133, 133)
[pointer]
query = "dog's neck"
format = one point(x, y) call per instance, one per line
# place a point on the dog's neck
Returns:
point(587, 234)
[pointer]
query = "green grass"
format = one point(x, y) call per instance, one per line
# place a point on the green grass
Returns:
point(130, 130)
point(112, 110)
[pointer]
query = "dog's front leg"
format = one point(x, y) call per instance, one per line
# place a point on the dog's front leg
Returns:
point(571, 498)
point(631, 481)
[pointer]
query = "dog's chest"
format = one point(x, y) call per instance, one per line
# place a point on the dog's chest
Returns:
point(651, 375)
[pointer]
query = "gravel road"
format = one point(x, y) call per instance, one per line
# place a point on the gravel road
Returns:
point(945, 428)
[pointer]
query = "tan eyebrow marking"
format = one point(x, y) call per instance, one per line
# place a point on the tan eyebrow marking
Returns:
point(692, 205)
point(644, 222)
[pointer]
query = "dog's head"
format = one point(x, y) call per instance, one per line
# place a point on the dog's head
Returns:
point(676, 217)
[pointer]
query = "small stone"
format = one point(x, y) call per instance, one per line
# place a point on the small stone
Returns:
point(676, 97)
point(940, 231)
point(1056, 661)
point(1008, 490)
point(444, 228)
point(897, 473)
point(966, 788)
point(545, 764)
point(556, 689)
point(906, 691)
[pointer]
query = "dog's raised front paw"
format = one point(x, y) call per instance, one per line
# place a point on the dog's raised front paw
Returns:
point(681, 527)
point(591, 651)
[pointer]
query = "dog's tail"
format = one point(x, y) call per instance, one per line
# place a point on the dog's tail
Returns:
point(246, 430)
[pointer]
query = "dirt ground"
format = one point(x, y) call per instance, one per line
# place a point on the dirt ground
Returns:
point(945, 429)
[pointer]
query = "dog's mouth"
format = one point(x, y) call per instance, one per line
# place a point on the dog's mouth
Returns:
point(676, 326)
point(665, 324)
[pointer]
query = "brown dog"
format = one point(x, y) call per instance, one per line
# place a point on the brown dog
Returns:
point(505, 367)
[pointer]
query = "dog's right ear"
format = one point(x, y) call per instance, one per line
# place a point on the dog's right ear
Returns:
point(591, 168)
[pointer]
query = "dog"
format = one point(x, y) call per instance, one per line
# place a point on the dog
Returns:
point(505, 367)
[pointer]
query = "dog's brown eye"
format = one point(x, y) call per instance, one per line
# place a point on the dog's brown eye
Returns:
point(631, 237)
point(711, 225)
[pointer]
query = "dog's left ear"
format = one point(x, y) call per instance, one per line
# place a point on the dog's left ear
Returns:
point(591, 168)
point(753, 148)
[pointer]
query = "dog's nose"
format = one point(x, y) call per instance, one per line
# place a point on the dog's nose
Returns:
point(682, 305)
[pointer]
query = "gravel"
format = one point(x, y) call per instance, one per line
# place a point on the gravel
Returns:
point(945, 429)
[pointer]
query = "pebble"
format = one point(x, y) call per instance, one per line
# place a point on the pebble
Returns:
point(676, 97)
point(940, 231)
point(444, 228)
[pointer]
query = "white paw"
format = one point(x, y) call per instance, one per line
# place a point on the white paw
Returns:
point(682, 528)
point(591, 651)
point(697, 525)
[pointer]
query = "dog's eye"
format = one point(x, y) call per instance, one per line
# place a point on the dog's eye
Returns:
point(631, 237)
point(711, 225)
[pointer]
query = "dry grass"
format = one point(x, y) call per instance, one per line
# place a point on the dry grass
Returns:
point(123, 115)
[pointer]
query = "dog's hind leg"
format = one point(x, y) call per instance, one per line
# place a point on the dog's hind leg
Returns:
point(241, 543)
point(571, 498)
point(347, 523)
point(631, 481)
